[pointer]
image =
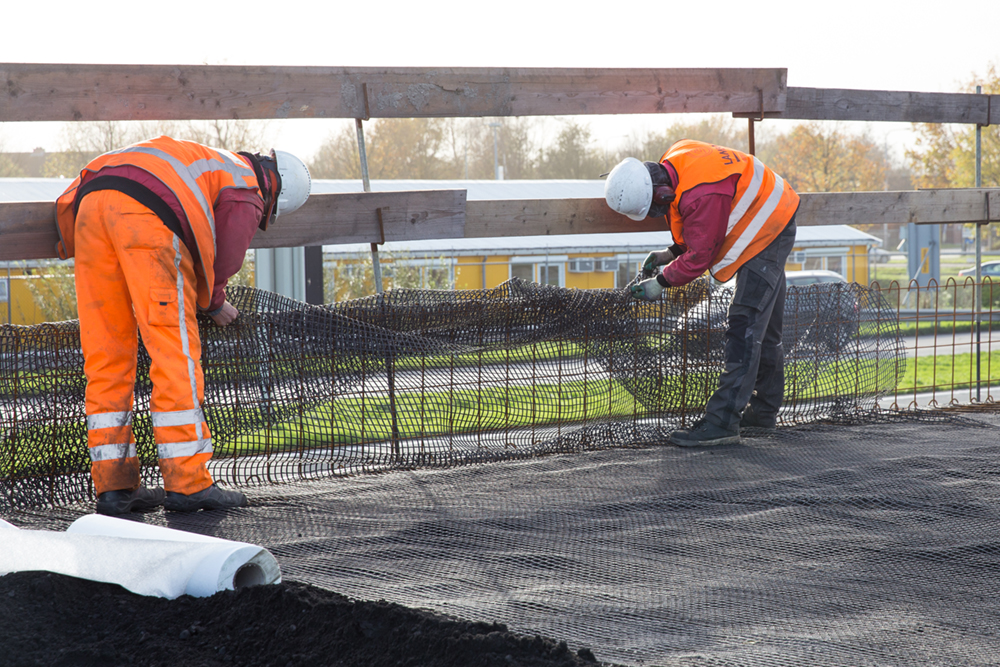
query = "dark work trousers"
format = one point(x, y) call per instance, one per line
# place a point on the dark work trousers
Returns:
point(755, 360)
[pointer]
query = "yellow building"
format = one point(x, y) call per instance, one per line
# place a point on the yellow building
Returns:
point(24, 292)
point(584, 261)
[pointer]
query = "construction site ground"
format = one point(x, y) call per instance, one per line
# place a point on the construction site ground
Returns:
point(816, 545)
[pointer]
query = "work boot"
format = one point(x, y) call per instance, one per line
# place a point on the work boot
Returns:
point(123, 501)
point(704, 434)
point(212, 498)
point(751, 419)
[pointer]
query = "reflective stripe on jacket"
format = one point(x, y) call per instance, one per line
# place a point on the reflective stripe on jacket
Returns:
point(196, 174)
point(762, 206)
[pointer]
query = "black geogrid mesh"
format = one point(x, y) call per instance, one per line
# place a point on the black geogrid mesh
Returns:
point(819, 545)
point(437, 378)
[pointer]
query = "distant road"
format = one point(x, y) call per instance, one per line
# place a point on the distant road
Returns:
point(946, 344)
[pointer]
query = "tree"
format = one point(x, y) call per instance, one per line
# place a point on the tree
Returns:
point(816, 157)
point(8, 168)
point(945, 155)
point(338, 156)
point(572, 155)
point(651, 145)
point(229, 134)
point(396, 148)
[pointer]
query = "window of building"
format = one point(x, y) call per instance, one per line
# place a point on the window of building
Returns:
point(550, 274)
point(525, 272)
point(4, 290)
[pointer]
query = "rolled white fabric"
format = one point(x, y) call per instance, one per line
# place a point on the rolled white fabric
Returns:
point(148, 560)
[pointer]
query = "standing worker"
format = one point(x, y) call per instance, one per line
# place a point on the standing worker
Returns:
point(157, 229)
point(731, 215)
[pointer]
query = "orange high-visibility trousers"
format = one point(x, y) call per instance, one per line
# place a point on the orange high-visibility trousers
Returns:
point(131, 270)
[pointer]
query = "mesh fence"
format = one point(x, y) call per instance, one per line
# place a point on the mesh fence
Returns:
point(437, 378)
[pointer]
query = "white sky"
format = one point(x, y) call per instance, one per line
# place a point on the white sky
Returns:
point(870, 44)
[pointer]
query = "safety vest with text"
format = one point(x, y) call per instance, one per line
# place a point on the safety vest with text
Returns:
point(194, 173)
point(762, 206)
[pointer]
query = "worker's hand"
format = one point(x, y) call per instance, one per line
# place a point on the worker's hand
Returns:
point(647, 290)
point(658, 258)
point(226, 315)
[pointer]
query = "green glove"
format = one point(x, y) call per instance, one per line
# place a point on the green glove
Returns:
point(647, 290)
point(658, 258)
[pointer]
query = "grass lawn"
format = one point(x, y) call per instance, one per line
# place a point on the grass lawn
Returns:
point(948, 372)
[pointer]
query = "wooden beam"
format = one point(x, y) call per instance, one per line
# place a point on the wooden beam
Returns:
point(37, 92)
point(351, 218)
point(27, 229)
point(28, 232)
point(918, 206)
point(883, 105)
point(542, 217)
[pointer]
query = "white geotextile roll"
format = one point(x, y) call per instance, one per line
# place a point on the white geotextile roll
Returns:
point(148, 560)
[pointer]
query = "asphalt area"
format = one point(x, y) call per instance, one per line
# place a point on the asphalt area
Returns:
point(825, 544)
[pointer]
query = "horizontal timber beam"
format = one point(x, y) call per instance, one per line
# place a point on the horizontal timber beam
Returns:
point(27, 229)
point(900, 207)
point(28, 232)
point(885, 105)
point(541, 217)
point(52, 92)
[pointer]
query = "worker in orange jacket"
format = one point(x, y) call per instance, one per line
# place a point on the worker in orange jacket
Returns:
point(157, 229)
point(731, 215)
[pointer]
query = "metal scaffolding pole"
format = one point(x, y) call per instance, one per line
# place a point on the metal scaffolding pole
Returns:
point(979, 261)
point(376, 268)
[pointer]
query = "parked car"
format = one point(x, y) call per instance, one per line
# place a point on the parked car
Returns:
point(813, 277)
point(821, 317)
point(991, 269)
point(879, 256)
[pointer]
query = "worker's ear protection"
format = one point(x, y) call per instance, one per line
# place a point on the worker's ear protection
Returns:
point(663, 195)
point(663, 192)
point(269, 186)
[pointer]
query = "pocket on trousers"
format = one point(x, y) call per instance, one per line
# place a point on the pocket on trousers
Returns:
point(758, 282)
point(163, 307)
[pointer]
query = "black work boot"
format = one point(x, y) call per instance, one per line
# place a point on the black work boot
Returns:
point(752, 419)
point(704, 434)
point(212, 498)
point(123, 501)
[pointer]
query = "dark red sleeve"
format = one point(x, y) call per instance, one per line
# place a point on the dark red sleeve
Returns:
point(704, 210)
point(705, 221)
point(237, 215)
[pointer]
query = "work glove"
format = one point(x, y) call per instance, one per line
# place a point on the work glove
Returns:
point(647, 290)
point(658, 258)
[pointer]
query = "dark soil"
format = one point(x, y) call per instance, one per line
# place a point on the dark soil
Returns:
point(49, 619)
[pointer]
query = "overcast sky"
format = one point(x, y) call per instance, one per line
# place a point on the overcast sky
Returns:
point(870, 44)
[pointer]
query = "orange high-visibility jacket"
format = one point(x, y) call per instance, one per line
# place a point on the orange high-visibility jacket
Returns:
point(762, 207)
point(196, 174)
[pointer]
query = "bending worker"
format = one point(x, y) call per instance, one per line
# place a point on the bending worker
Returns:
point(157, 229)
point(731, 215)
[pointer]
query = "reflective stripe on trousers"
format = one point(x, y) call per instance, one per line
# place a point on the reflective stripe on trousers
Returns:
point(132, 272)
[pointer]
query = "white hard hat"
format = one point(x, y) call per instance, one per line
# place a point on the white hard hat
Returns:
point(295, 182)
point(629, 189)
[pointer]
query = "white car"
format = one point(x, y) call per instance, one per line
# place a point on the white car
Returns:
point(991, 269)
point(812, 277)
